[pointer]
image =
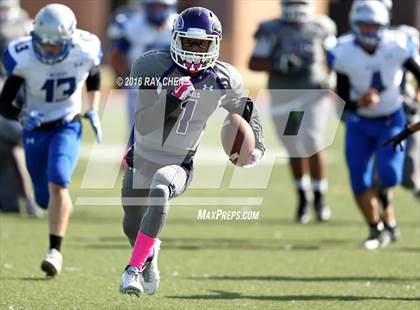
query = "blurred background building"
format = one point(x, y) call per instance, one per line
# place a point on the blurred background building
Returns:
point(239, 18)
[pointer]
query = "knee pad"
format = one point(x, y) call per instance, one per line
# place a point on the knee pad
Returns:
point(160, 191)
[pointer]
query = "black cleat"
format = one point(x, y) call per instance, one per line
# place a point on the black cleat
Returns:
point(323, 213)
point(379, 237)
point(302, 214)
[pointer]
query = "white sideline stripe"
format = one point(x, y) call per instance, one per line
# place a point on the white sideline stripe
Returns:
point(180, 201)
point(206, 156)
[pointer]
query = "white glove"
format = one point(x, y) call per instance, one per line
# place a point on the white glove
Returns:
point(33, 120)
point(94, 121)
point(256, 155)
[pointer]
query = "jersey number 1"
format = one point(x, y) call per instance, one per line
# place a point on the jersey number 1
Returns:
point(187, 113)
point(60, 89)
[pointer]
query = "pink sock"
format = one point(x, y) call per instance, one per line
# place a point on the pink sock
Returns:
point(143, 248)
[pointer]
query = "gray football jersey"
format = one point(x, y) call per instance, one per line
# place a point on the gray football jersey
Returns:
point(409, 90)
point(166, 132)
point(308, 42)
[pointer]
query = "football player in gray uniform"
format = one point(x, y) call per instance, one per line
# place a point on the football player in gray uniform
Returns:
point(14, 178)
point(411, 172)
point(181, 88)
point(411, 168)
point(292, 50)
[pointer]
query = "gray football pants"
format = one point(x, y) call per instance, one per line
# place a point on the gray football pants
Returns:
point(15, 183)
point(146, 192)
point(310, 139)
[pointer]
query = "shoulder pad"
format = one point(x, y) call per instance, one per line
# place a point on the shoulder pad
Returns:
point(411, 32)
point(230, 76)
point(88, 44)
point(151, 64)
point(345, 39)
point(268, 27)
point(326, 24)
point(17, 55)
point(336, 57)
point(400, 43)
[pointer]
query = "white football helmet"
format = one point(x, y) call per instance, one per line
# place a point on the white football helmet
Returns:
point(296, 11)
point(54, 26)
point(388, 3)
point(369, 12)
point(158, 16)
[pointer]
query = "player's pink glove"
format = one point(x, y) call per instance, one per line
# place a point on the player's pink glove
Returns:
point(256, 156)
point(183, 89)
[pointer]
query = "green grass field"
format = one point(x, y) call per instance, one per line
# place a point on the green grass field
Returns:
point(270, 263)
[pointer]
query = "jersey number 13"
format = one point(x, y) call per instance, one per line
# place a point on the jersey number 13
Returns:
point(59, 89)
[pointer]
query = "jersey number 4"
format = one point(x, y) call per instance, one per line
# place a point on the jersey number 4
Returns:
point(376, 82)
point(60, 89)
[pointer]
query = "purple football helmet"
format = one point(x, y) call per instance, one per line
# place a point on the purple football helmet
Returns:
point(196, 23)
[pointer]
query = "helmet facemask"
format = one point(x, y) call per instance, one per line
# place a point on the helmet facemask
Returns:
point(198, 24)
point(296, 11)
point(50, 50)
point(370, 38)
point(194, 61)
point(368, 21)
point(54, 26)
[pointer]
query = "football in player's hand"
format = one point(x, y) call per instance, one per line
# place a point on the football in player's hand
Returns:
point(237, 139)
